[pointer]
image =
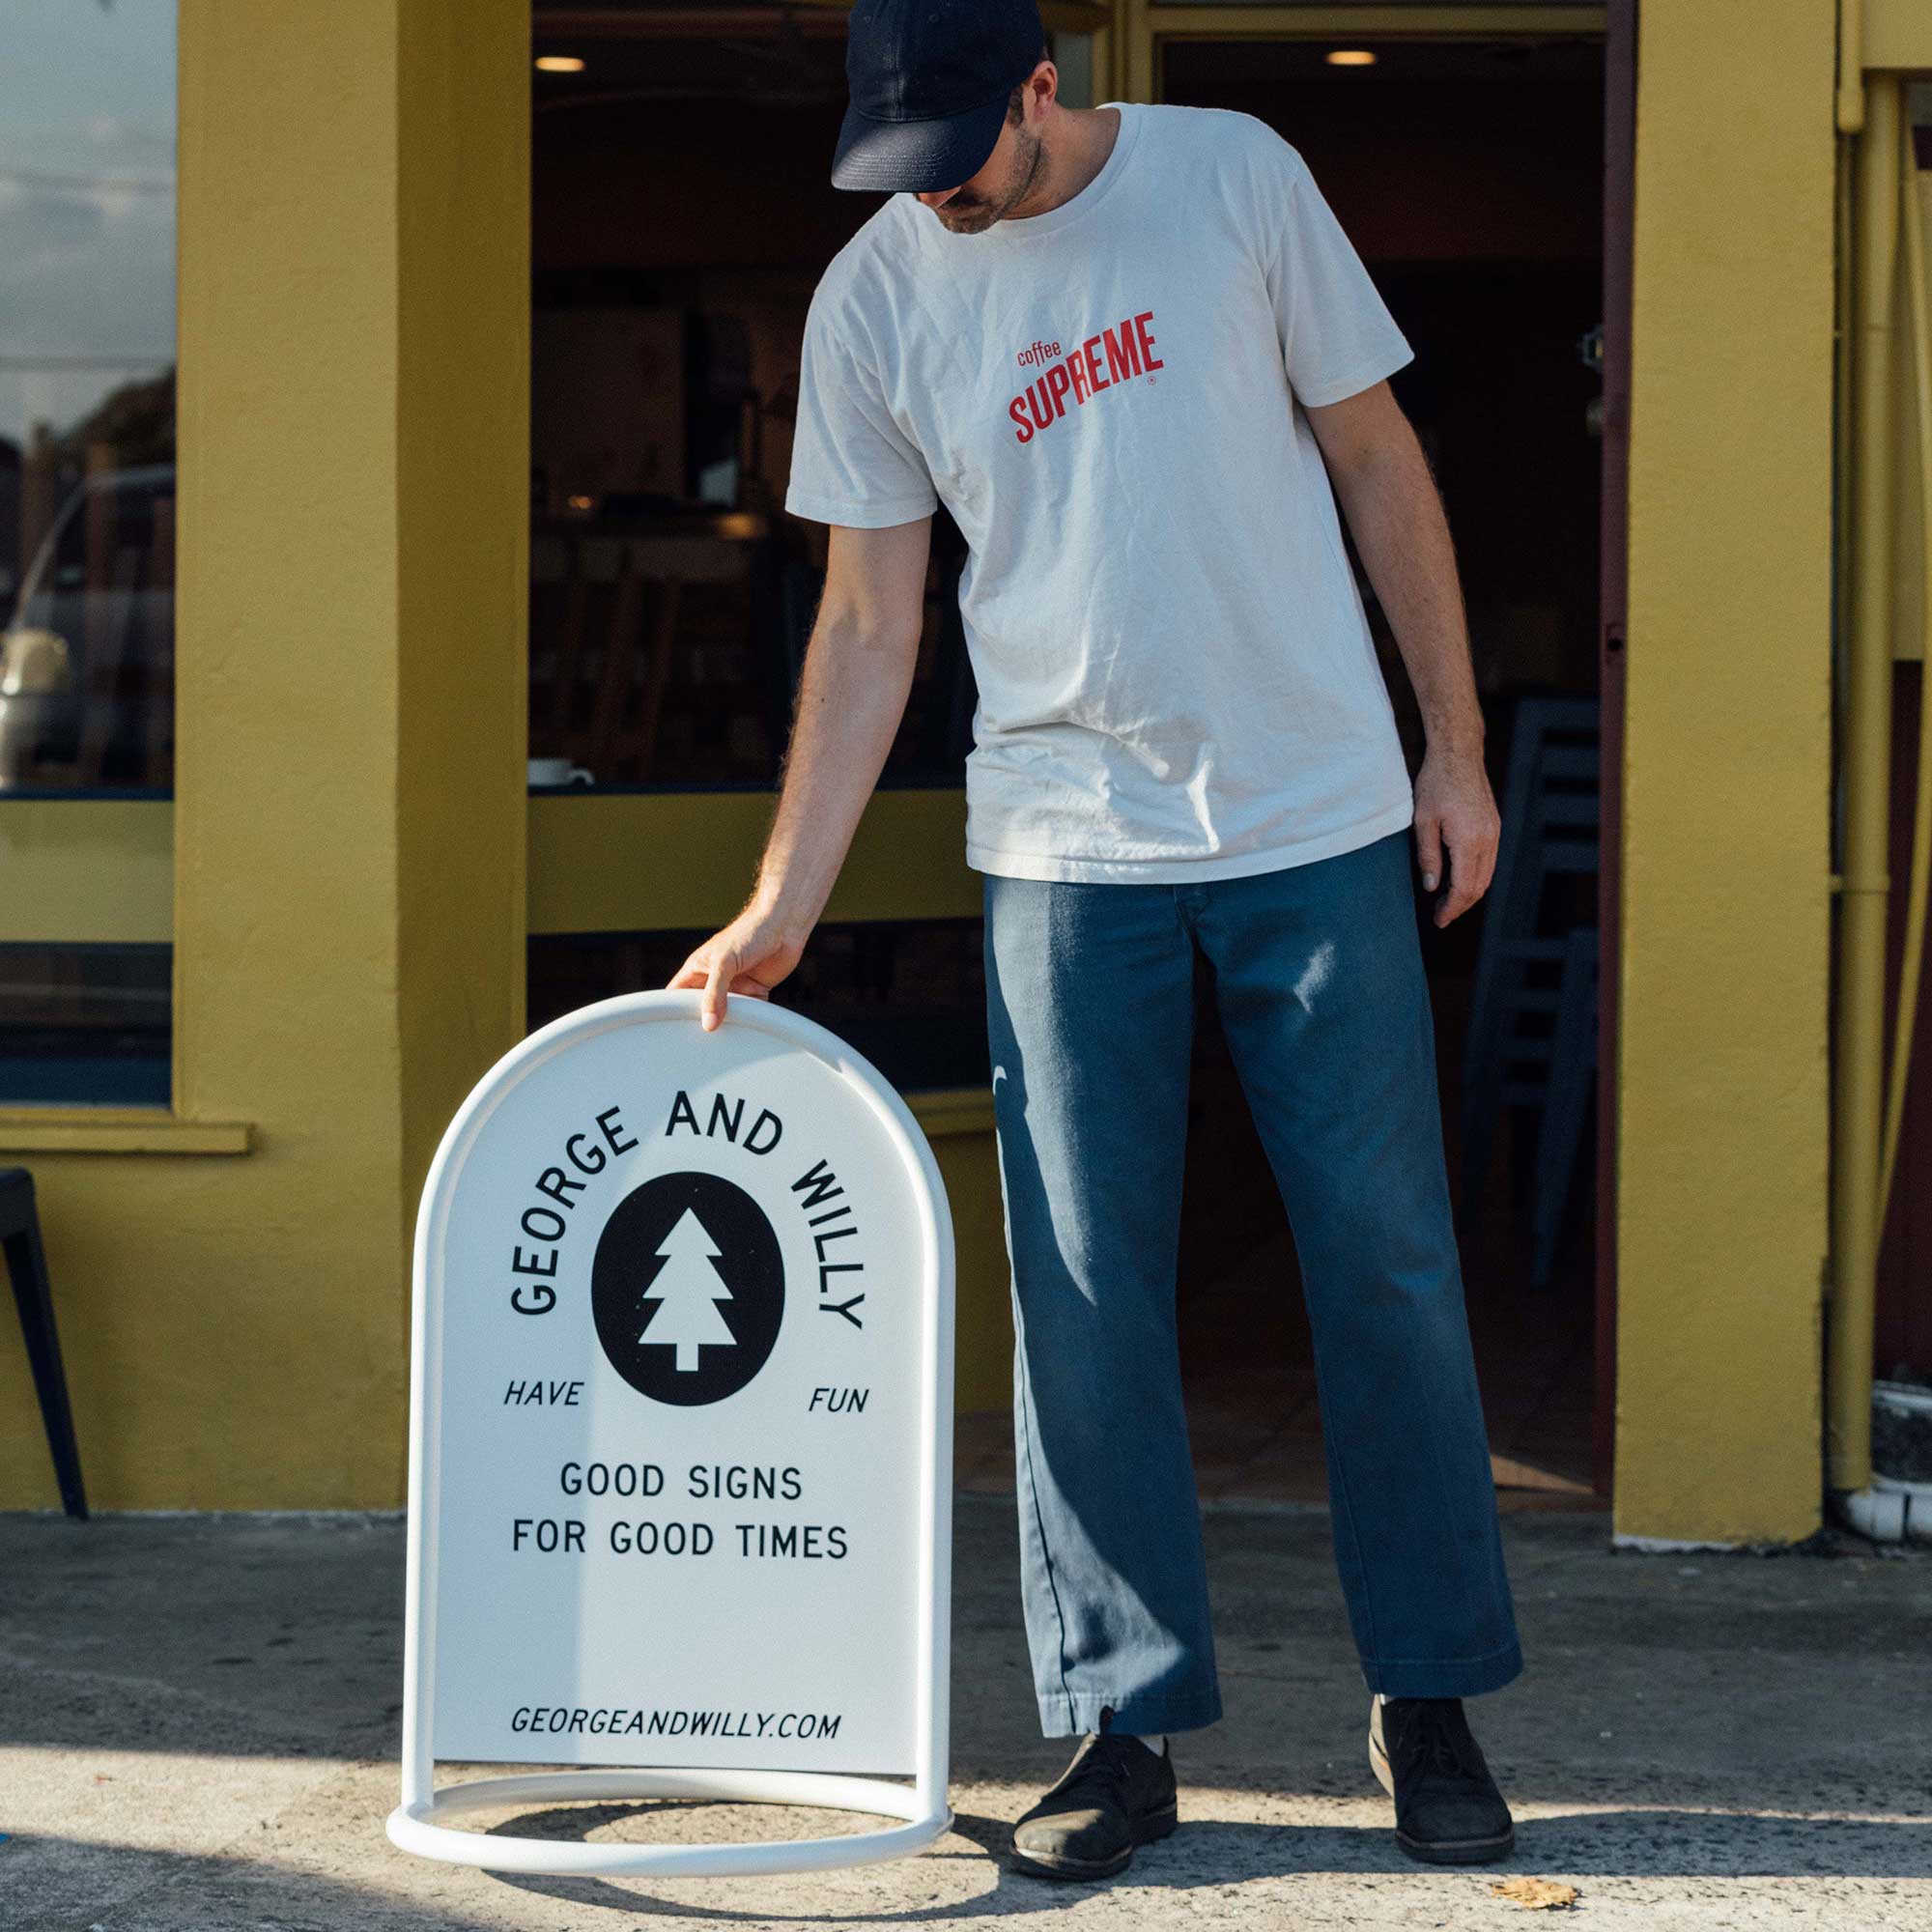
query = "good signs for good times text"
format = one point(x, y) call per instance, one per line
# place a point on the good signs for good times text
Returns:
point(678, 1453)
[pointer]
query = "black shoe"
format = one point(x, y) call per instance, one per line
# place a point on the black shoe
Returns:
point(1447, 1809)
point(1115, 1793)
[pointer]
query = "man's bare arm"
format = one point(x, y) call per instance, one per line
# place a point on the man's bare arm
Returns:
point(1382, 483)
point(851, 697)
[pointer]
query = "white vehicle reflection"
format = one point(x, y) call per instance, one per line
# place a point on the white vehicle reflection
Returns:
point(87, 656)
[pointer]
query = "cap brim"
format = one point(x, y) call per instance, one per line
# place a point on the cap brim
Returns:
point(915, 156)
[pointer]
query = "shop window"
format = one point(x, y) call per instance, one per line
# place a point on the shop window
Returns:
point(682, 213)
point(908, 994)
point(671, 597)
point(86, 522)
point(81, 1025)
point(671, 659)
point(87, 411)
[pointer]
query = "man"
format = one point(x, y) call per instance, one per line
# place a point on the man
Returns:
point(1135, 353)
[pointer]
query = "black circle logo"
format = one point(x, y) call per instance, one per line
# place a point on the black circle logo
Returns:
point(687, 1289)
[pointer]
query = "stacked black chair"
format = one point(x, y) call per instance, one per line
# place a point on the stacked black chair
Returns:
point(1570, 1081)
point(27, 1265)
point(1533, 1018)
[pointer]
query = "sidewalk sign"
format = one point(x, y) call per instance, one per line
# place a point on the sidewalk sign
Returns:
point(681, 1442)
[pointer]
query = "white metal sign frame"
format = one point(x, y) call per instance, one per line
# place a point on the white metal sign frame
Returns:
point(417, 1824)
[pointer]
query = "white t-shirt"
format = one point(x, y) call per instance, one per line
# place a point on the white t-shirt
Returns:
point(1176, 676)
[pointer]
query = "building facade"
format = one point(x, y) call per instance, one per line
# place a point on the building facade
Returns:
point(341, 862)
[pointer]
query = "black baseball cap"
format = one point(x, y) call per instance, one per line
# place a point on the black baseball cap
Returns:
point(930, 81)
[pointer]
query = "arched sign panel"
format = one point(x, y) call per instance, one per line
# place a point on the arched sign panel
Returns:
point(680, 1467)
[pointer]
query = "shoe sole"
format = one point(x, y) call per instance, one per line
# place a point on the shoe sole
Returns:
point(1446, 1852)
point(1049, 1864)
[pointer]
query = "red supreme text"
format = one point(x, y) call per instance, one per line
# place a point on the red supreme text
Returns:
point(1098, 363)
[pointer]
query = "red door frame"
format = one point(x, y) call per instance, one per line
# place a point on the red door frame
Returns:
point(1619, 208)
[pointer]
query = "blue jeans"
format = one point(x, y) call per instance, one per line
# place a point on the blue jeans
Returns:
point(1318, 979)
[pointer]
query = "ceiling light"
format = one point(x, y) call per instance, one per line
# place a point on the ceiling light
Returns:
point(559, 64)
point(1352, 57)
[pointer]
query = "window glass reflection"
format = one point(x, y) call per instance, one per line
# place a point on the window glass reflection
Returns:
point(84, 1025)
point(671, 597)
point(87, 521)
point(908, 994)
point(87, 411)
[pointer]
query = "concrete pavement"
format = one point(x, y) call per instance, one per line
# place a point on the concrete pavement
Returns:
point(198, 1730)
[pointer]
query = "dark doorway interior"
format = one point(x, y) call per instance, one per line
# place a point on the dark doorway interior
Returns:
point(1469, 177)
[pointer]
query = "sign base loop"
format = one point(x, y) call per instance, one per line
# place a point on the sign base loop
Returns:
point(415, 1827)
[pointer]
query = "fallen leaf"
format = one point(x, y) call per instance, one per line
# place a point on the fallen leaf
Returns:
point(1536, 1894)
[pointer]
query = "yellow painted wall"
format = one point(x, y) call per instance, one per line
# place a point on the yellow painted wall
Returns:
point(629, 861)
point(102, 868)
point(1722, 1116)
point(354, 307)
point(463, 508)
point(99, 869)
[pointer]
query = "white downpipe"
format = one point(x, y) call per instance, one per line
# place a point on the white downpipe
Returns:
point(1889, 1512)
point(1893, 1510)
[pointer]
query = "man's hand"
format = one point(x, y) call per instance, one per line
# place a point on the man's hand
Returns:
point(851, 697)
point(1456, 817)
point(1387, 492)
point(751, 956)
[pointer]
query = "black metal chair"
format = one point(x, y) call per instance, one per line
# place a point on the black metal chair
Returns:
point(27, 1265)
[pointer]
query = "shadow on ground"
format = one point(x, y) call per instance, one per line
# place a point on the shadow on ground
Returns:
point(200, 1732)
point(1210, 1852)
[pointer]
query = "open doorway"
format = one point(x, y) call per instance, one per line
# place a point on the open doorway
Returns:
point(1470, 176)
point(682, 217)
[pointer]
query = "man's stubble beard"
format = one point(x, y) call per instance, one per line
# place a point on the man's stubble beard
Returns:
point(1027, 166)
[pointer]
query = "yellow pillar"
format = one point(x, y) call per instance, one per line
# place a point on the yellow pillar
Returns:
point(462, 538)
point(355, 314)
point(1723, 1108)
point(349, 818)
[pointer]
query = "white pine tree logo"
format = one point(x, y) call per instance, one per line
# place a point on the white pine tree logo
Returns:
point(689, 1288)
